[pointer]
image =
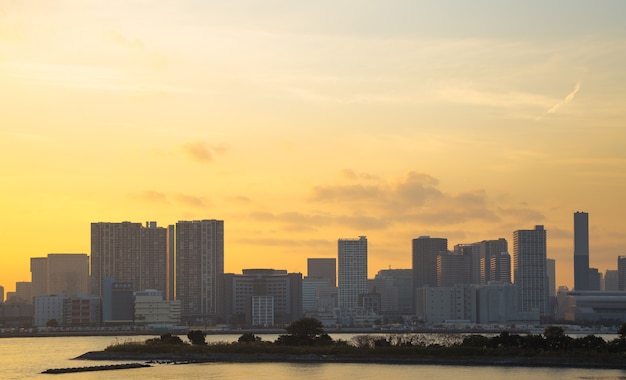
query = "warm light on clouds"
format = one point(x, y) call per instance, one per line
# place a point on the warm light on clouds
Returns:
point(300, 124)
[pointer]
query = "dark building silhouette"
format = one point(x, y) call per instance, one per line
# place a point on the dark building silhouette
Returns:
point(531, 280)
point(325, 268)
point(621, 273)
point(425, 251)
point(452, 269)
point(581, 251)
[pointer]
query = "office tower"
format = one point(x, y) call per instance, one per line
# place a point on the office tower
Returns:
point(60, 273)
point(199, 264)
point(424, 257)
point(1, 294)
point(595, 279)
point(323, 268)
point(310, 294)
point(39, 276)
point(529, 263)
point(581, 251)
point(118, 301)
point(621, 272)
point(551, 273)
point(452, 269)
point(485, 250)
point(130, 253)
point(472, 252)
point(352, 263)
point(501, 267)
point(23, 292)
point(395, 287)
point(610, 280)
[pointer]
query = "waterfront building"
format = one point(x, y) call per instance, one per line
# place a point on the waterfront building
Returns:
point(199, 264)
point(23, 292)
point(284, 290)
point(352, 263)
point(581, 251)
point(441, 304)
point(82, 310)
point(47, 309)
point(1, 294)
point(310, 294)
point(496, 303)
point(529, 262)
point(130, 253)
point(262, 313)
point(595, 279)
point(151, 308)
point(595, 305)
point(118, 302)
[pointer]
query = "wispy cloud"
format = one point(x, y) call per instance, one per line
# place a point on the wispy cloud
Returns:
point(570, 97)
point(201, 152)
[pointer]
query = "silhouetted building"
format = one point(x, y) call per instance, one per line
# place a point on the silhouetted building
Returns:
point(452, 269)
point(199, 264)
point(1, 294)
point(621, 273)
point(60, 273)
point(395, 287)
point(352, 263)
point(82, 310)
point(610, 280)
point(323, 268)
point(246, 297)
point(23, 292)
point(485, 250)
point(118, 301)
point(531, 281)
point(581, 251)
point(595, 279)
point(129, 252)
point(501, 268)
point(170, 270)
point(424, 257)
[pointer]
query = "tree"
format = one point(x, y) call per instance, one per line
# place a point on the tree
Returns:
point(249, 338)
point(305, 328)
point(196, 337)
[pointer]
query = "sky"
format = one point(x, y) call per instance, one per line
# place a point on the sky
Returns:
point(299, 123)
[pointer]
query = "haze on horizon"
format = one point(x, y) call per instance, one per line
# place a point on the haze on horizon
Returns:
point(301, 123)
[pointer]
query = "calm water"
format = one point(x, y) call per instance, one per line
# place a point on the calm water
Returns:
point(26, 358)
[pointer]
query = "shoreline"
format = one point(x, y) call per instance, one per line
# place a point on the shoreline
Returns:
point(474, 361)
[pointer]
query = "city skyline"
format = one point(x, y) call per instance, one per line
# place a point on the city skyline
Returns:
point(298, 123)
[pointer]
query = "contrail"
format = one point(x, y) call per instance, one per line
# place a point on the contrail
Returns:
point(567, 99)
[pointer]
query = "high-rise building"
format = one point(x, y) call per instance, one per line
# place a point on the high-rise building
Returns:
point(452, 269)
point(529, 263)
point(323, 268)
point(424, 256)
point(595, 279)
point(60, 273)
point(551, 273)
point(395, 287)
point(199, 264)
point(621, 272)
point(171, 262)
point(501, 267)
point(485, 250)
point(130, 253)
point(24, 292)
point(581, 251)
point(352, 263)
point(1, 294)
point(610, 280)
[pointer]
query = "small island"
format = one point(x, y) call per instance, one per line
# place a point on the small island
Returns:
point(307, 342)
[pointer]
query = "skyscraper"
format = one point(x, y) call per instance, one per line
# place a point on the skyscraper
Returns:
point(581, 251)
point(323, 268)
point(60, 273)
point(352, 263)
point(424, 255)
point(621, 272)
point(529, 257)
point(501, 267)
point(199, 264)
point(130, 253)
point(487, 249)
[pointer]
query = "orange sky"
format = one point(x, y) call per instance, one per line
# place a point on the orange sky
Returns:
point(298, 124)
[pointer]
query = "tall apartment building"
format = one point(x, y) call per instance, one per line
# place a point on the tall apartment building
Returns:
point(323, 268)
point(529, 263)
point(395, 287)
point(424, 257)
point(581, 251)
point(60, 273)
point(352, 263)
point(129, 253)
point(199, 264)
point(452, 269)
point(485, 250)
point(501, 267)
point(621, 272)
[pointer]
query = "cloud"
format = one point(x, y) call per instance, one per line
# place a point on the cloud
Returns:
point(198, 151)
point(151, 196)
point(570, 97)
point(191, 200)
